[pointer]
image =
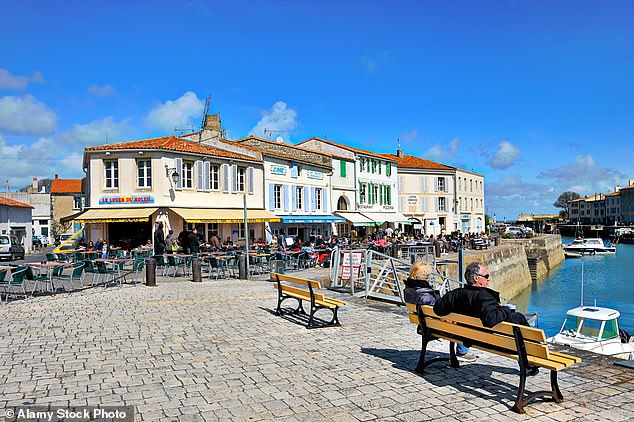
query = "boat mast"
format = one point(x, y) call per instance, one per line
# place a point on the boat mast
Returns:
point(581, 283)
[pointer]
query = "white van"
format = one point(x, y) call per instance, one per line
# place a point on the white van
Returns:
point(10, 247)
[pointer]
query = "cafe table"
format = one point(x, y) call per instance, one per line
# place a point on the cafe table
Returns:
point(48, 268)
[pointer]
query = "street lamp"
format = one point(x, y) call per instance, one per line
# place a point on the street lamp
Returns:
point(172, 174)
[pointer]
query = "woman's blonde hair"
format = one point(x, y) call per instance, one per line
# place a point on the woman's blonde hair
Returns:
point(420, 271)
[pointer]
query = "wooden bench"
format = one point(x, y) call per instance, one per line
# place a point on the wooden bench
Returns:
point(287, 289)
point(524, 344)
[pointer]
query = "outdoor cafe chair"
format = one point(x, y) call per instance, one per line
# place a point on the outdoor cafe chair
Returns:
point(51, 257)
point(217, 265)
point(137, 270)
point(91, 268)
point(18, 279)
point(103, 269)
point(161, 264)
point(77, 273)
point(176, 263)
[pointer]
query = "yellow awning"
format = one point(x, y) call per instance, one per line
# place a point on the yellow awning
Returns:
point(115, 215)
point(232, 215)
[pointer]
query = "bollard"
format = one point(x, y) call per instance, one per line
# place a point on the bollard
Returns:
point(496, 240)
point(437, 248)
point(242, 267)
point(150, 272)
point(197, 275)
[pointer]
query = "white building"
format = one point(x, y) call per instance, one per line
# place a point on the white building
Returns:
point(16, 220)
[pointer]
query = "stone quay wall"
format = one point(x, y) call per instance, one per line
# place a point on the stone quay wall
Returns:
point(546, 250)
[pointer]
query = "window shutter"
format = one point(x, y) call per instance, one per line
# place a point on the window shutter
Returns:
point(207, 176)
point(307, 200)
point(342, 168)
point(178, 164)
point(271, 197)
point(379, 165)
point(388, 169)
point(234, 178)
point(446, 184)
point(380, 194)
point(437, 203)
point(250, 180)
point(324, 200)
point(294, 172)
point(225, 178)
point(425, 206)
point(401, 204)
point(199, 173)
point(287, 198)
point(400, 183)
point(313, 199)
point(293, 197)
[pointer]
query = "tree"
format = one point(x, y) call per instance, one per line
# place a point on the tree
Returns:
point(564, 198)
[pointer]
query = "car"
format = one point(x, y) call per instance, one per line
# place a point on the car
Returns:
point(43, 239)
point(10, 247)
point(515, 231)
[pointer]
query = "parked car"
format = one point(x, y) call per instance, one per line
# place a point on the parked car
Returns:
point(515, 231)
point(43, 239)
point(10, 247)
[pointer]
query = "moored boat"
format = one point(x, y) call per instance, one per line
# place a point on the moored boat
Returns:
point(595, 329)
point(589, 246)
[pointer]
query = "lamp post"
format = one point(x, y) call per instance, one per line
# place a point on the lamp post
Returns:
point(172, 174)
point(246, 235)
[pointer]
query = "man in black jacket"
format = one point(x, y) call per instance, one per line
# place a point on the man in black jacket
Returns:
point(477, 300)
point(159, 240)
point(194, 243)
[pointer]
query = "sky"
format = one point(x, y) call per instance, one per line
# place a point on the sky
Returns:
point(538, 96)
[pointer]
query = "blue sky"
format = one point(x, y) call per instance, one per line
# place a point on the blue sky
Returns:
point(536, 95)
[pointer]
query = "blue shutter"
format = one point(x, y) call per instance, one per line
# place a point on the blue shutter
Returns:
point(313, 200)
point(207, 176)
point(200, 183)
point(307, 201)
point(250, 180)
point(225, 178)
point(287, 198)
point(294, 172)
point(234, 178)
point(178, 163)
point(271, 197)
point(324, 200)
point(293, 198)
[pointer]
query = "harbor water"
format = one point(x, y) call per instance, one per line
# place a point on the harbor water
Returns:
point(608, 279)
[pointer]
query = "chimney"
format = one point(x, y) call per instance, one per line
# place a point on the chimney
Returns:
point(630, 182)
point(34, 184)
point(211, 131)
point(399, 153)
point(617, 188)
point(56, 176)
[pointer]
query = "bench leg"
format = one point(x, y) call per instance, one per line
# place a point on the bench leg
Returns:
point(334, 322)
point(557, 396)
point(453, 358)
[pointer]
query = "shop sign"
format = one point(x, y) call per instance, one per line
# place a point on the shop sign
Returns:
point(312, 174)
point(351, 265)
point(465, 216)
point(126, 199)
point(388, 207)
point(281, 170)
point(412, 200)
point(365, 207)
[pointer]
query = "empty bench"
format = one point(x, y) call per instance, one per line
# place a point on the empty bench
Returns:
point(288, 288)
point(526, 345)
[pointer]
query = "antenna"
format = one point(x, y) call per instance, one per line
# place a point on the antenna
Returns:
point(398, 143)
point(271, 132)
point(189, 128)
point(206, 110)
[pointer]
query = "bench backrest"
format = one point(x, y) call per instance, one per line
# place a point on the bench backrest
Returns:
point(499, 337)
point(296, 280)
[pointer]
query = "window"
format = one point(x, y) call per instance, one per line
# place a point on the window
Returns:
point(460, 183)
point(188, 174)
point(76, 204)
point(277, 196)
point(241, 178)
point(388, 169)
point(362, 193)
point(362, 164)
point(342, 168)
point(471, 185)
point(387, 191)
point(299, 203)
point(214, 177)
point(379, 165)
point(144, 173)
point(441, 184)
point(318, 199)
point(441, 203)
point(212, 228)
point(43, 222)
point(112, 174)
point(373, 166)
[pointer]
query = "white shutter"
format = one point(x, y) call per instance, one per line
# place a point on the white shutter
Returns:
point(401, 204)
point(313, 199)
point(400, 183)
point(250, 179)
point(178, 164)
point(207, 176)
point(287, 198)
point(293, 198)
point(234, 178)
point(271, 197)
point(225, 178)
point(324, 199)
point(425, 205)
point(307, 201)
point(200, 171)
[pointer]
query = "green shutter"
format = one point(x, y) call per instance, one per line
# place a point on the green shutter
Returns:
point(342, 168)
point(379, 163)
point(388, 169)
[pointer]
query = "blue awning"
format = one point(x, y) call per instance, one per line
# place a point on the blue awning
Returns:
point(311, 219)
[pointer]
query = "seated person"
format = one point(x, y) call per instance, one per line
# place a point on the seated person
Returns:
point(418, 290)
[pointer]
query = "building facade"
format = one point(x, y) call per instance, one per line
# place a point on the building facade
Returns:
point(469, 201)
point(67, 198)
point(40, 213)
point(16, 220)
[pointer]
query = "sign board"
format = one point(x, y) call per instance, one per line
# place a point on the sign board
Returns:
point(351, 265)
point(126, 199)
point(312, 174)
point(281, 170)
point(418, 226)
point(412, 200)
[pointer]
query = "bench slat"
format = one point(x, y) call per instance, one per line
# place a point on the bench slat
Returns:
point(529, 333)
point(296, 280)
point(563, 358)
point(320, 299)
point(295, 290)
point(503, 341)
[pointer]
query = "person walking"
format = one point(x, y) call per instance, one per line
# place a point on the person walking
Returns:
point(159, 240)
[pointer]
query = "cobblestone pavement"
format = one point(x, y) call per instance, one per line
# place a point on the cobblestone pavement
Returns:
point(214, 351)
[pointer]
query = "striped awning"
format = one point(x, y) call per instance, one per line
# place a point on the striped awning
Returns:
point(356, 218)
point(113, 215)
point(230, 215)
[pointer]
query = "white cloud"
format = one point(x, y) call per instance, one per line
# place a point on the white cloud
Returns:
point(279, 117)
point(175, 113)
point(585, 176)
point(9, 81)
point(512, 195)
point(101, 90)
point(21, 162)
point(409, 136)
point(505, 156)
point(442, 153)
point(97, 132)
point(26, 116)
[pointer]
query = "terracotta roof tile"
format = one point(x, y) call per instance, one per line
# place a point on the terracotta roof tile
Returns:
point(8, 202)
point(66, 186)
point(628, 187)
point(412, 162)
point(346, 147)
point(268, 148)
point(172, 143)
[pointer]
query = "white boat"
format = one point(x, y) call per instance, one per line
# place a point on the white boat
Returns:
point(589, 246)
point(595, 329)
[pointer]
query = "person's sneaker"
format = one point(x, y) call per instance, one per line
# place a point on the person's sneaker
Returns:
point(532, 370)
point(468, 357)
